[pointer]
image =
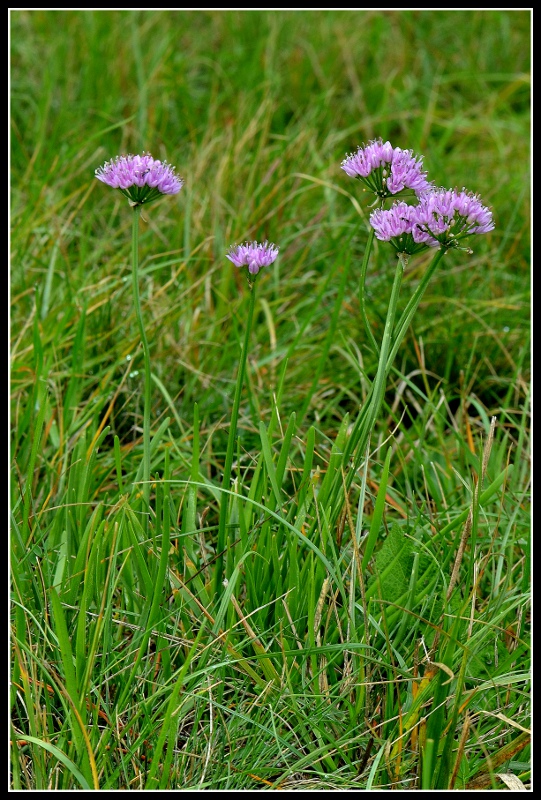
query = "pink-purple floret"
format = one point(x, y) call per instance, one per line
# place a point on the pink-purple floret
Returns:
point(442, 209)
point(253, 255)
point(394, 222)
point(124, 172)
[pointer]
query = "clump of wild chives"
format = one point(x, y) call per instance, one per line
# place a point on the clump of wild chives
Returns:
point(141, 179)
point(387, 172)
point(431, 218)
point(436, 218)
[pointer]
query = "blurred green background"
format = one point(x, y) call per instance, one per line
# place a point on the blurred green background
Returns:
point(257, 109)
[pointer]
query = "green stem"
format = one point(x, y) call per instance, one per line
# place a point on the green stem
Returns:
point(381, 375)
point(411, 307)
point(362, 288)
point(389, 350)
point(226, 480)
point(355, 447)
point(146, 357)
point(367, 416)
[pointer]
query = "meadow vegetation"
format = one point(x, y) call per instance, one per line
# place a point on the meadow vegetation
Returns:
point(366, 623)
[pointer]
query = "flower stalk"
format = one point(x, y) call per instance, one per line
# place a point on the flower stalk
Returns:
point(438, 218)
point(362, 289)
point(146, 357)
point(142, 179)
point(254, 256)
point(221, 542)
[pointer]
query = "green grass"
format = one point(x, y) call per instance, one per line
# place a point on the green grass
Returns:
point(373, 630)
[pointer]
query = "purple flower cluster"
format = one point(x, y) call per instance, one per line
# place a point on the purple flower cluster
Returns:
point(447, 214)
point(441, 219)
point(387, 170)
point(141, 179)
point(398, 225)
point(253, 255)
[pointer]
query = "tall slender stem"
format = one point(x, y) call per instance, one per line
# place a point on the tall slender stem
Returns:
point(389, 350)
point(407, 315)
point(146, 357)
point(367, 416)
point(355, 446)
point(381, 375)
point(226, 480)
point(362, 288)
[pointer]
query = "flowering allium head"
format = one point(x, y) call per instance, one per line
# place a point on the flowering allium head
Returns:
point(387, 170)
point(444, 216)
point(397, 225)
point(253, 255)
point(141, 179)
